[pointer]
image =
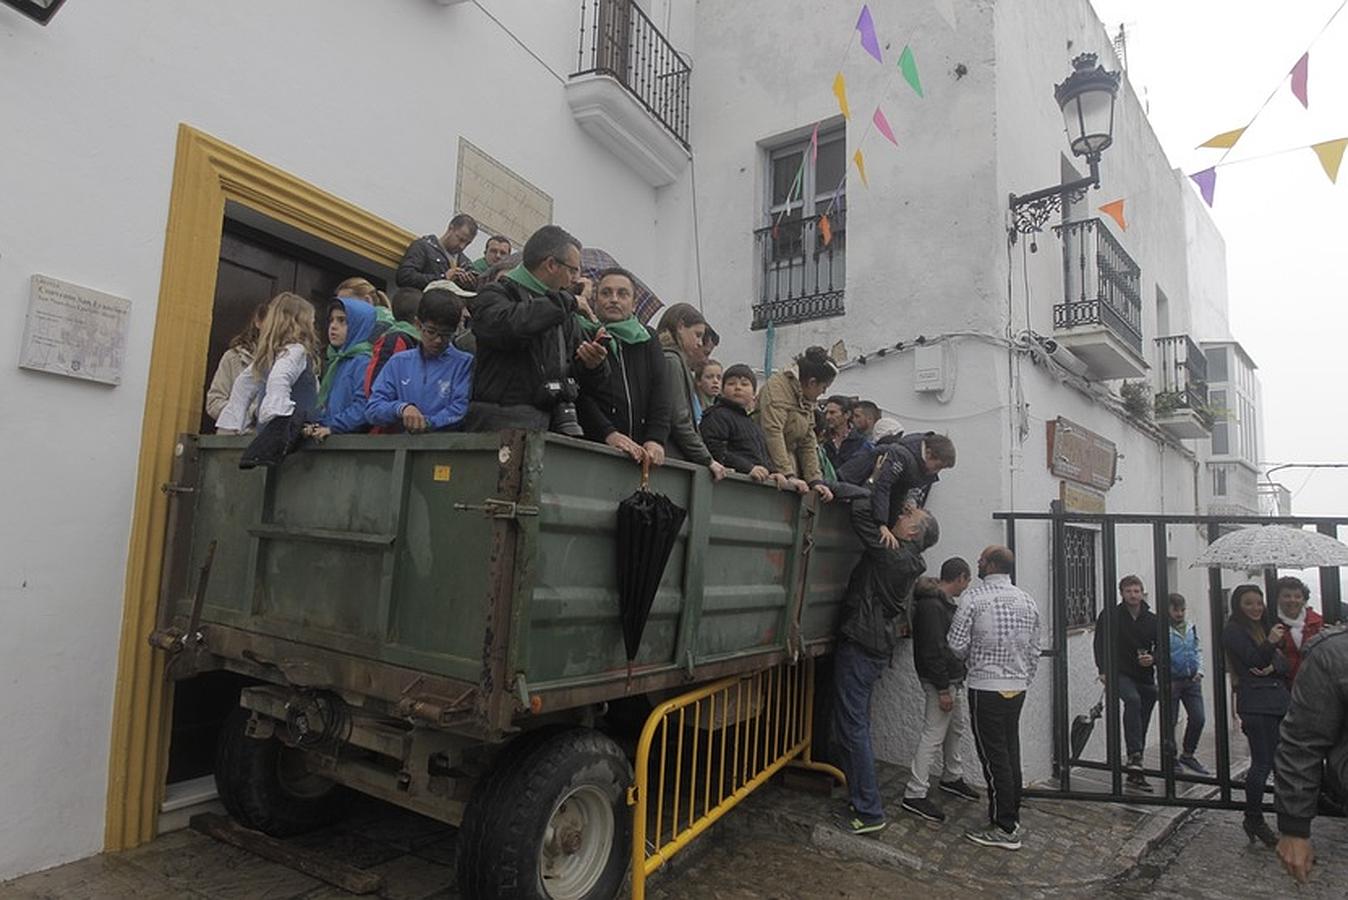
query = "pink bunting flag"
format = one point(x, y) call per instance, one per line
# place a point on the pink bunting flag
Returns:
point(1299, 74)
point(814, 144)
point(882, 126)
point(869, 42)
point(1207, 183)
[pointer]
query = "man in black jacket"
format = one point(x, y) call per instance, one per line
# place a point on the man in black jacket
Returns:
point(1310, 769)
point(430, 258)
point(877, 593)
point(941, 674)
point(628, 410)
point(531, 353)
point(1134, 645)
point(905, 472)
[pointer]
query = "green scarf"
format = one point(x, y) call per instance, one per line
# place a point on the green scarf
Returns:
point(335, 358)
point(525, 279)
point(383, 316)
point(404, 328)
point(628, 331)
point(480, 265)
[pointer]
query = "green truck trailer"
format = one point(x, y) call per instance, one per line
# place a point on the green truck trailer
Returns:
point(434, 620)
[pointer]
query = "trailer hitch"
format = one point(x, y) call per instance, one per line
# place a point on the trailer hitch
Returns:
point(494, 508)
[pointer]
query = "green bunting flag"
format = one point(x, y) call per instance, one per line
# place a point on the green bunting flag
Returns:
point(908, 66)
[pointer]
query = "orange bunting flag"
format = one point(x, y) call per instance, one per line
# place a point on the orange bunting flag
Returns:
point(1224, 141)
point(861, 166)
point(825, 230)
point(840, 91)
point(1114, 209)
point(1331, 154)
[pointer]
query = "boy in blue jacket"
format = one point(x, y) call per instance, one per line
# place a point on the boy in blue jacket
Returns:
point(341, 391)
point(425, 389)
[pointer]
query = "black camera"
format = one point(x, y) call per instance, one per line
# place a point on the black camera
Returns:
point(564, 418)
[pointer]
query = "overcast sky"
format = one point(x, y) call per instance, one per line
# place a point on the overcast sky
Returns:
point(1204, 67)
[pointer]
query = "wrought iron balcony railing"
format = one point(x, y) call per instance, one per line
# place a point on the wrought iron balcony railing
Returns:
point(1182, 372)
point(1102, 283)
point(800, 276)
point(617, 39)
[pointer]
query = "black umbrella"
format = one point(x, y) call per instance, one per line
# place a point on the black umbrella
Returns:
point(1083, 725)
point(648, 526)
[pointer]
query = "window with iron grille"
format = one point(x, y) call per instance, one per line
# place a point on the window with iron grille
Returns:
point(801, 245)
point(1082, 594)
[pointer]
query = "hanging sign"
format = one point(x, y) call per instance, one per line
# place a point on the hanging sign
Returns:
point(1081, 455)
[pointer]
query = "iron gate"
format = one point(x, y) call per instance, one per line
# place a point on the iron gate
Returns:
point(1067, 553)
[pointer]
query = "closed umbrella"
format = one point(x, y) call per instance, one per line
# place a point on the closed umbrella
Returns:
point(1273, 547)
point(1083, 725)
point(648, 527)
point(592, 262)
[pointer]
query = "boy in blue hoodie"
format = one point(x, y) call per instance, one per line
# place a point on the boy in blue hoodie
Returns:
point(427, 388)
point(341, 391)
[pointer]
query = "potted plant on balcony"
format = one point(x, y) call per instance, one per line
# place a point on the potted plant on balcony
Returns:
point(1166, 403)
point(1136, 397)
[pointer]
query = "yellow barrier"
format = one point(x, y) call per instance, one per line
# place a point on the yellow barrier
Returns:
point(747, 728)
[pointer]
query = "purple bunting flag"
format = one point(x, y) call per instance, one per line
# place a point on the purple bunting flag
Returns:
point(1207, 183)
point(1299, 74)
point(869, 42)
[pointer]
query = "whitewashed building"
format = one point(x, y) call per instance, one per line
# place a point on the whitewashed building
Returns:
point(158, 152)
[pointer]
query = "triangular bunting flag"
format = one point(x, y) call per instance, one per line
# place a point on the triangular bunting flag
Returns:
point(908, 66)
point(814, 144)
point(1299, 74)
point(869, 42)
point(946, 10)
point(1207, 183)
point(1226, 140)
point(882, 126)
point(840, 91)
point(825, 230)
point(861, 166)
point(1331, 154)
point(1114, 209)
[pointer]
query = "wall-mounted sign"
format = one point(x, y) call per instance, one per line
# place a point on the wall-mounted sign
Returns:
point(1081, 455)
point(1077, 498)
point(74, 331)
point(501, 201)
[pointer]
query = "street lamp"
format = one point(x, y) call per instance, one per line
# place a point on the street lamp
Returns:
point(1087, 102)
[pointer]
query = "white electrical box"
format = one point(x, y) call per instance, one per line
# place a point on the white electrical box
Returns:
point(929, 372)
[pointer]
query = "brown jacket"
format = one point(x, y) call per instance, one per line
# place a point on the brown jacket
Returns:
point(787, 419)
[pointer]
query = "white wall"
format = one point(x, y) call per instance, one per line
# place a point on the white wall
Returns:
point(364, 100)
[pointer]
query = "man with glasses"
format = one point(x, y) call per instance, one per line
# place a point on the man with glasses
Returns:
point(425, 388)
point(532, 356)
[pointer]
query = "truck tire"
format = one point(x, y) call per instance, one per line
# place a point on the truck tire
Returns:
point(263, 784)
point(550, 822)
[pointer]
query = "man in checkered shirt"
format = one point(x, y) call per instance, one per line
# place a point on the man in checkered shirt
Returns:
point(996, 631)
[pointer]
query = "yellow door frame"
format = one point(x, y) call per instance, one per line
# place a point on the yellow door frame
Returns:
point(207, 172)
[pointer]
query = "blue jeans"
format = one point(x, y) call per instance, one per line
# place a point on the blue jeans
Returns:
point(1138, 701)
point(1262, 733)
point(1188, 691)
point(855, 673)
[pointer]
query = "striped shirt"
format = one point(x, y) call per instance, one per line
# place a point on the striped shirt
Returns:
point(996, 630)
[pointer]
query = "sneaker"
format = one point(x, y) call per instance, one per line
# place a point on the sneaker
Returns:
point(859, 825)
point(992, 836)
point(1019, 832)
point(1192, 764)
point(1135, 781)
point(960, 789)
point(923, 808)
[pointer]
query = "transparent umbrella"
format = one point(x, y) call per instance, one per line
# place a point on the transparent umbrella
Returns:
point(1273, 547)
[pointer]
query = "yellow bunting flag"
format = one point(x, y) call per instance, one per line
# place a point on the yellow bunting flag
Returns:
point(1224, 141)
point(825, 230)
point(861, 166)
point(840, 91)
point(1331, 154)
point(1114, 209)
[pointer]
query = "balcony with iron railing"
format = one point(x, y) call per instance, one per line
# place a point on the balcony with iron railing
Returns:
point(631, 89)
point(802, 270)
point(1180, 405)
point(1100, 318)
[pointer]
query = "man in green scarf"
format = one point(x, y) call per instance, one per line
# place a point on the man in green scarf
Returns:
point(628, 410)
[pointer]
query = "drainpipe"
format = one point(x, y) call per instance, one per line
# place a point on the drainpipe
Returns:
point(767, 349)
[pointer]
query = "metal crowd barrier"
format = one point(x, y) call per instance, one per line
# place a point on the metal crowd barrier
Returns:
point(724, 740)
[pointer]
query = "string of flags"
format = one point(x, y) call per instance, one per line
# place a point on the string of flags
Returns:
point(1329, 153)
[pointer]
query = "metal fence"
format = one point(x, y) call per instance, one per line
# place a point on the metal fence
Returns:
point(801, 276)
point(1102, 283)
point(618, 39)
point(1182, 370)
point(1056, 651)
point(701, 753)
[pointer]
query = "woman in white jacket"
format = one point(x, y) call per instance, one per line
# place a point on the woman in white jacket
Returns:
point(235, 360)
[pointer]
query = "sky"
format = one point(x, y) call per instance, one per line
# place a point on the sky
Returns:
point(1204, 67)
